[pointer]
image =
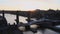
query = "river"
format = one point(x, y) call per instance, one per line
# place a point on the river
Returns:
point(11, 19)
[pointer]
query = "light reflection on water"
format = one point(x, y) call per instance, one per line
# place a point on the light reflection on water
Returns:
point(11, 19)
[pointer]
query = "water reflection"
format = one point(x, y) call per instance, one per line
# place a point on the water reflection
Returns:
point(11, 19)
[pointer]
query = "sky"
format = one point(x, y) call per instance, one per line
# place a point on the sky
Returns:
point(29, 4)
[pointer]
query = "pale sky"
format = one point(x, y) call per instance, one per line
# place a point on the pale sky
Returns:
point(29, 4)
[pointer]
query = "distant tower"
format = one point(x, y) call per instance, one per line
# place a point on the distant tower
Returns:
point(3, 14)
point(3, 19)
point(17, 17)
